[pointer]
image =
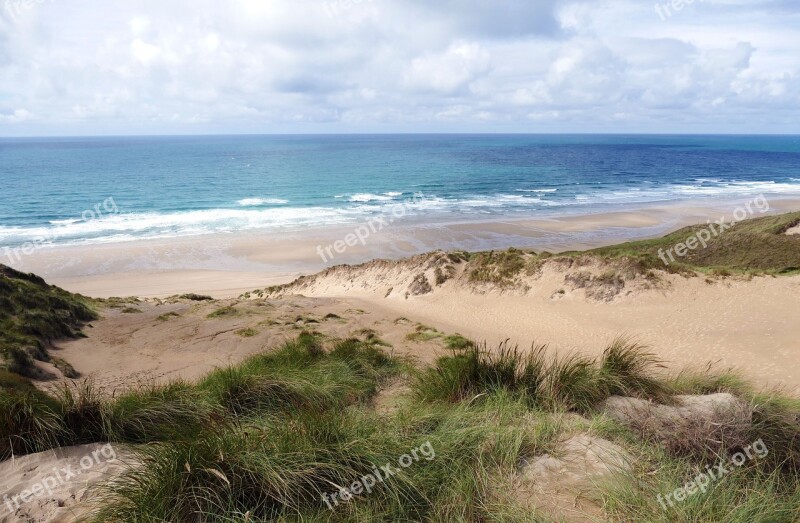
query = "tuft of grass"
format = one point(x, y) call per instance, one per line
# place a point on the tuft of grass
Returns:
point(29, 421)
point(168, 316)
point(458, 342)
point(66, 369)
point(476, 371)
point(709, 381)
point(499, 268)
point(423, 333)
point(195, 297)
point(572, 383)
point(247, 332)
point(223, 312)
point(627, 369)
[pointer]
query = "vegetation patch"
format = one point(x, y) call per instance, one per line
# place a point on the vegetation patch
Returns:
point(247, 333)
point(168, 316)
point(33, 315)
point(224, 312)
point(423, 333)
point(758, 245)
point(195, 297)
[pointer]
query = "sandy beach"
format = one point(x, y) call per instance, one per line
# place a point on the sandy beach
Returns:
point(224, 266)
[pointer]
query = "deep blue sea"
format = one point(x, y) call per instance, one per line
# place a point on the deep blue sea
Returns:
point(85, 190)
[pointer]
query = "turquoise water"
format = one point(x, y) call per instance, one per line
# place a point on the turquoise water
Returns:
point(89, 190)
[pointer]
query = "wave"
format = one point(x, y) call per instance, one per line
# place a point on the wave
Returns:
point(736, 188)
point(273, 213)
point(368, 197)
point(256, 202)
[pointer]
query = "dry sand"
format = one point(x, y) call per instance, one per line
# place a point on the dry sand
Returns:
point(60, 479)
point(177, 340)
point(750, 325)
point(688, 322)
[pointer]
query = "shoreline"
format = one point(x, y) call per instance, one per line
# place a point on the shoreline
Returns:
point(226, 265)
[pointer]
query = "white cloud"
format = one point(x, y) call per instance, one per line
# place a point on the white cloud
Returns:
point(141, 66)
point(450, 71)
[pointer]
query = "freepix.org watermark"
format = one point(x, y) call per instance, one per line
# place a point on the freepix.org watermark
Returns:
point(14, 255)
point(60, 476)
point(15, 8)
point(667, 9)
point(701, 482)
point(376, 224)
point(366, 483)
point(715, 229)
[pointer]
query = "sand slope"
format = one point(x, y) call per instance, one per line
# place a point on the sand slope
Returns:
point(749, 324)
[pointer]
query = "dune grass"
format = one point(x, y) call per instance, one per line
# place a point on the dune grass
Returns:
point(758, 245)
point(266, 439)
point(34, 314)
point(754, 246)
point(573, 383)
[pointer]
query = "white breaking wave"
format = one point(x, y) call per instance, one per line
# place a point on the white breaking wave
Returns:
point(255, 202)
point(133, 226)
point(736, 188)
point(367, 197)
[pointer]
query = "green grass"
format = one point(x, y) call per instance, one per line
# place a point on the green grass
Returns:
point(168, 316)
point(265, 439)
point(573, 383)
point(758, 245)
point(497, 267)
point(423, 333)
point(247, 332)
point(224, 312)
point(458, 342)
point(32, 316)
point(195, 297)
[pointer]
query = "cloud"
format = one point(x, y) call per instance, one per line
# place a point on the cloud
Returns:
point(142, 66)
point(451, 71)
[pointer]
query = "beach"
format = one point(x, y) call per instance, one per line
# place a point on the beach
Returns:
point(226, 265)
point(752, 328)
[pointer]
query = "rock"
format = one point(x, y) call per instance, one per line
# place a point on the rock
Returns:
point(563, 485)
point(695, 425)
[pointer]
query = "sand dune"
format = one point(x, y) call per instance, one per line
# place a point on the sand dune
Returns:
point(749, 324)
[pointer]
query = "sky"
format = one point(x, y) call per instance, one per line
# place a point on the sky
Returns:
point(134, 67)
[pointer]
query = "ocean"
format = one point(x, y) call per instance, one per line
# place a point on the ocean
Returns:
point(113, 189)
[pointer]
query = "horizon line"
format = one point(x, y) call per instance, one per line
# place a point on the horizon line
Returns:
point(217, 135)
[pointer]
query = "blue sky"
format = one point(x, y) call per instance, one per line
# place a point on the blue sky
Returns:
point(88, 67)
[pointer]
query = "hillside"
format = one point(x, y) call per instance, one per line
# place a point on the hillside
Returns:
point(33, 315)
point(761, 246)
